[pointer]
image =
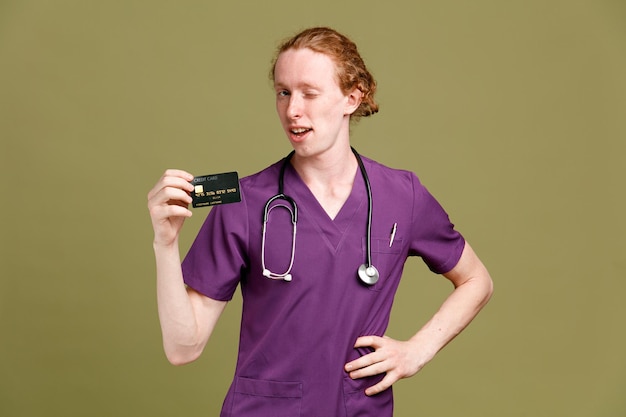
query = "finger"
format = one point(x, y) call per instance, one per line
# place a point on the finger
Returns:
point(365, 361)
point(372, 369)
point(375, 342)
point(175, 210)
point(369, 341)
point(362, 362)
point(169, 196)
point(158, 205)
point(170, 188)
point(179, 179)
point(384, 384)
point(178, 173)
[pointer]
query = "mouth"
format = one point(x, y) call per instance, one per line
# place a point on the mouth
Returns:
point(299, 132)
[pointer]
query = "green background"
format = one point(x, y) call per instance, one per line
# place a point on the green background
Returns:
point(513, 113)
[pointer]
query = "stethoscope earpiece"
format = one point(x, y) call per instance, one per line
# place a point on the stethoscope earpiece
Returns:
point(267, 273)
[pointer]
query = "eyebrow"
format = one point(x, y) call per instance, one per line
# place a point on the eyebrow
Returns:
point(302, 85)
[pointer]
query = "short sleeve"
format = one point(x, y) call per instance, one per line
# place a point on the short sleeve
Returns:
point(217, 258)
point(435, 239)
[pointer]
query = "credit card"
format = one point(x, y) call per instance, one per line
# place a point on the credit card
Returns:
point(210, 190)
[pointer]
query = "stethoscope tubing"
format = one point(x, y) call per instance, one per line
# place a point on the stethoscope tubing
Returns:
point(368, 188)
point(293, 210)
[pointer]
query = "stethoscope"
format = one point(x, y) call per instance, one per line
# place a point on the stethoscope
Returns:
point(367, 272)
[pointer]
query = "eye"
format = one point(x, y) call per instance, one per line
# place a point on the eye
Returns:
point(310, 94)
point(282, 93)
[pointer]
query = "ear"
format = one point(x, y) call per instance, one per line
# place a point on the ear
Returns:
point(353, 101)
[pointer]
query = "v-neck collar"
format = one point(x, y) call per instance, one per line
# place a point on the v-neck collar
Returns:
point(334, 230)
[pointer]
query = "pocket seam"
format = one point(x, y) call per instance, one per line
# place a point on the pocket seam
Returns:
point(383, 243)
point(268, 388)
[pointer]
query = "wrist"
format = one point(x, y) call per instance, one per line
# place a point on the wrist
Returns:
point(425, 346)
point(164, 246)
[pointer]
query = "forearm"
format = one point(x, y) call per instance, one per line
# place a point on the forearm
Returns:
point(182, 339)
point(187, 318)
point(454, 315)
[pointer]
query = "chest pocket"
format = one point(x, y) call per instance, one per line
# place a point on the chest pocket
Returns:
point(386, 259)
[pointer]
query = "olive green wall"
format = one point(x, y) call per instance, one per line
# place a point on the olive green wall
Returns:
point(512, 112)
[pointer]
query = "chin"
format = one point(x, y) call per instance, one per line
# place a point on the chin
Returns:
point(302, 150)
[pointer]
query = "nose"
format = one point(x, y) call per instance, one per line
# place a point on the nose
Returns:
point(294, 107)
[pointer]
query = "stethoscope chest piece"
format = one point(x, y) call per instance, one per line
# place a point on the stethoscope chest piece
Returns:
point(368, 274)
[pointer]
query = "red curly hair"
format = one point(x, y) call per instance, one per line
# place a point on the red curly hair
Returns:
point(351, 70)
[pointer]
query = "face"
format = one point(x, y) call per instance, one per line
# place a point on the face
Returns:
point(314, 112)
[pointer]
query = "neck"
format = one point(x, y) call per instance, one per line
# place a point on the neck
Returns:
point(336, 166)
point(329, 178)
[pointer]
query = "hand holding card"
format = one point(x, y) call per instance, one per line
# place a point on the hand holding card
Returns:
point(210, 190)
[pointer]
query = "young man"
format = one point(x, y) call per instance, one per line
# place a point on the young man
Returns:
point(317, 294)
